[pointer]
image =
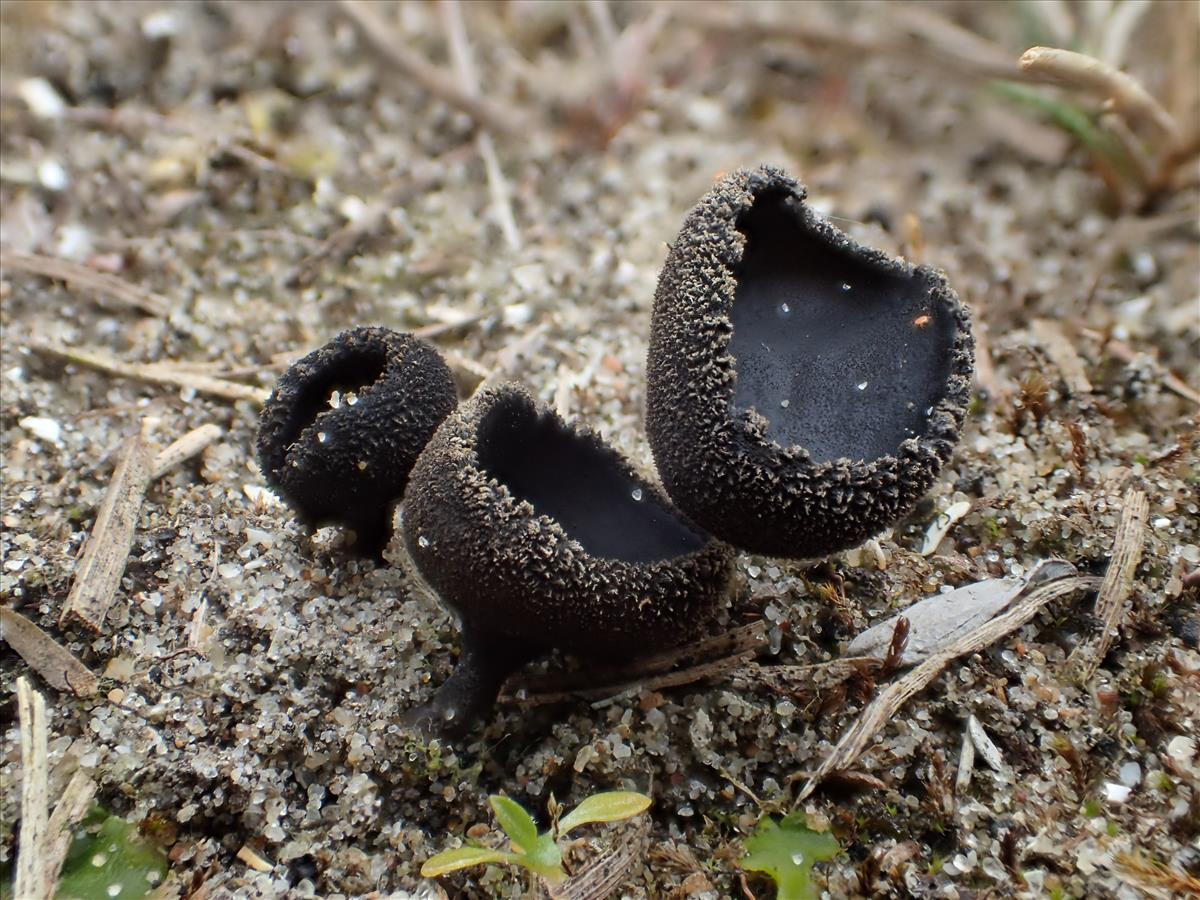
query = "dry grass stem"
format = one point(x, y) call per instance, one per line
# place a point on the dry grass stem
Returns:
point(75, 274)
point(31, 880)
point(889, 701)
point(183, 449)
point(156, 373)
point(1118, 581)
point(679, 666)
point(1170, 380)
point(57, 666)
point(1063, 354)
point(1154, 878)
point(939, 42)
point(346, 241)
point(464, 66)
point(1118, 30)
point(98, 574)
point(1066, 67)
point(966, 765)
point(72, 806)
point(1141, 168)
point(783, 679)
point(953, 43)
point(391, 47)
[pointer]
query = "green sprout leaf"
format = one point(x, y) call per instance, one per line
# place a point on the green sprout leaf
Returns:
point(517, 824)
point(108, 858)
point(609, 807)
point(462, 858)
point(786, 851)
point(545, 859)
point(539, 853)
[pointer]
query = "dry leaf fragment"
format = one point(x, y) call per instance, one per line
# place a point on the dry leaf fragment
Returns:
point(941, 619)
point(57, 666)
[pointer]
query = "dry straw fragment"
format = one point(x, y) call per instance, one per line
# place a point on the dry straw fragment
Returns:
point(1063, 354)
point(1118, 582)
point(889, 701)
point(31, 878)
point(183, 449)
point(672, 668)
point(73, 273)
point(76, 800)
point(1154, 878)
point(98, 575)
point(57, 666)
point(253, 860)
point(391, 47)
point(157, 373)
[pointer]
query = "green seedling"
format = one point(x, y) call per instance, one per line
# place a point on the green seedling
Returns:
point(787, 851)
point(539, 853)
point(1075, 121)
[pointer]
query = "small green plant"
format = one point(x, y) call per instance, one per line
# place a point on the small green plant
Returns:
point(786, 851)
point(539, 853)
point(108, 858)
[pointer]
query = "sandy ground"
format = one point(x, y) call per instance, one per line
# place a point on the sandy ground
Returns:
point(207, 153)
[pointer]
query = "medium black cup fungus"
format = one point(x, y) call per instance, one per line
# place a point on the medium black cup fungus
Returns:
point(804, 390)
point(538, 535)
point(344, 425)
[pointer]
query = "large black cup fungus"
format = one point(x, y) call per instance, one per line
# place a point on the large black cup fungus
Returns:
point(538, 536)
point(344, 425)
point(804, 390)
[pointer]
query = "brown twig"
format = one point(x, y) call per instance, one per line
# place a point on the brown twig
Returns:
point(1118, 581)
point(156, 373)
point(73, 273)
point(55, 663)
point(888, 702)
point(98, 575)
point(392, 48)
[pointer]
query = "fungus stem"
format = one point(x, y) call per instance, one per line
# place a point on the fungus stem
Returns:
point(470, 692)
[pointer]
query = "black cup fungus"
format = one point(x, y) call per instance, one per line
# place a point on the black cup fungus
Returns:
point(539, 536)
point(347, 461)
point(804, 390)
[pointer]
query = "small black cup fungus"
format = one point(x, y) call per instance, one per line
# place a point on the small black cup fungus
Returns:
point(538, 536)
point(344, 425)
point(804, 390)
